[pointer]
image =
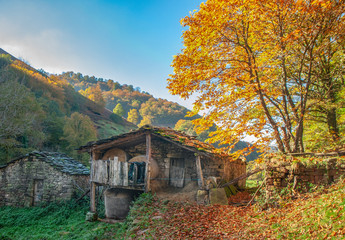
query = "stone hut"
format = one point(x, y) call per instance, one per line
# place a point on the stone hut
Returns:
point(41, 177)
point(153, 159)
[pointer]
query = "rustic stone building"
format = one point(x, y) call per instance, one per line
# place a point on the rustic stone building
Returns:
point(154, 158)
point(41, 177)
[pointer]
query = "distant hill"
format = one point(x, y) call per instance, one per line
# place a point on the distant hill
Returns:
point(52, 99)
point(150, 110)
point(57, 90)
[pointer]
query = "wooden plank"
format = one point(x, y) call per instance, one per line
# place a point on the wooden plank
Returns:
point(177, 171)
point(100, 171)
point(116, 171)
point(201, 183)
point(148, 164)
point(91, 166)
point(120, 173)
point(125, 174)
point(93, 170)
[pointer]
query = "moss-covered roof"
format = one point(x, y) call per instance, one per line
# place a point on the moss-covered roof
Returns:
point(59, 161)
point(169, 134)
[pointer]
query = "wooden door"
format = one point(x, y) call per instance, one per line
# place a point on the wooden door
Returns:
point(177, 170)
point(37, 191)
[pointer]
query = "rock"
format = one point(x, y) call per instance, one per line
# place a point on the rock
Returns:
point(91, 216)
point(202, 197)
point(218, 196)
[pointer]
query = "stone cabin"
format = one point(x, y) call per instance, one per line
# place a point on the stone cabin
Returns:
point(153, 159)
point(41, 177)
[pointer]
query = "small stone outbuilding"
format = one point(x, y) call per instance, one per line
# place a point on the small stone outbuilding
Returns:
point(41, 177)
point(155, 158)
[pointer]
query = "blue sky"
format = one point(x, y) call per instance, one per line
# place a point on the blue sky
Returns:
point(129, 41)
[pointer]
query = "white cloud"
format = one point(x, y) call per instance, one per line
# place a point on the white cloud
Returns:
point(42, 48)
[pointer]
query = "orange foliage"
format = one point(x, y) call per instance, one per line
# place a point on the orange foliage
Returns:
point(251, 63)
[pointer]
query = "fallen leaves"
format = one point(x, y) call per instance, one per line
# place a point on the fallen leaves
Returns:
point(312, 216)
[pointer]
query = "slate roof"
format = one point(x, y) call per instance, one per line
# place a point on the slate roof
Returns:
point(169, 134)
point(59, 161)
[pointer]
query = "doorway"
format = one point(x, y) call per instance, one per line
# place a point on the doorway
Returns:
point(37, 191)
point(176, 172)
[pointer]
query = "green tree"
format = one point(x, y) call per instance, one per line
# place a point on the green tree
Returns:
point(78, 130)
point(20, 117)
point(119, 110)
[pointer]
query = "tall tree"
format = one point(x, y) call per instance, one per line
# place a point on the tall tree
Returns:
point(119, 110)
point(133, 116)
point(78, 130)
point(252, 63)
point(19, 115)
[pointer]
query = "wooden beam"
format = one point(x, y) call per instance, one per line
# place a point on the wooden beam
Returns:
point(92, 184)
point(93, 197)
point(148, 164)
point(201, 183)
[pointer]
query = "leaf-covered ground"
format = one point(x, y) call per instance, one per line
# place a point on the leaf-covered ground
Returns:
point(318, 215)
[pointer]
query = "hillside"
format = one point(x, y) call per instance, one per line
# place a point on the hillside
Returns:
point(48, 101)
point(127, 100)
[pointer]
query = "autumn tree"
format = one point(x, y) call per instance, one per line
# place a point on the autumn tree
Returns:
point(94, 94)
point(119, 110)
point(147, 120)
point(251, 64)
point(133, 116)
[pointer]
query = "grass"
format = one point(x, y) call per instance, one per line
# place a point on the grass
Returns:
point(107, 128)
point(55, 221)
point(66, 220)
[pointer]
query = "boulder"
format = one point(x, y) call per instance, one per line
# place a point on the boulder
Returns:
point(218, 196)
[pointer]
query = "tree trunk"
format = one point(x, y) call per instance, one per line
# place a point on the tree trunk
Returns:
point(332, 123)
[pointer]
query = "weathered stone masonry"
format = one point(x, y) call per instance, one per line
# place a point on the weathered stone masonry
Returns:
point(41, 177)
point(301, 176)
point(163, 152)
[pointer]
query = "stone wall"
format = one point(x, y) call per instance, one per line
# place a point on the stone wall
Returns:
point(301, 176)
point(29, 181)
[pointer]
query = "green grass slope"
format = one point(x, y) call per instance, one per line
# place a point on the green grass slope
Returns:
point(52, 90)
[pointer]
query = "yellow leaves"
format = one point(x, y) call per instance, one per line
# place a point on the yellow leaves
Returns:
point(243, 58)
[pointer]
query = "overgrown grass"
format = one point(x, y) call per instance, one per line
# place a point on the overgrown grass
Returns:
point(66, 220)
point(55, 221)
